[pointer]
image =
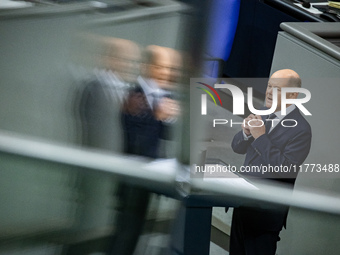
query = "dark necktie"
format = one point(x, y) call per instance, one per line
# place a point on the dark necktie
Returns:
point(268, 123)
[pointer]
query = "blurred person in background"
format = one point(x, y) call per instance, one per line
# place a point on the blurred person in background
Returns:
point(115, 67)
point(148, 111)
point(103, 91)
point(150, 107)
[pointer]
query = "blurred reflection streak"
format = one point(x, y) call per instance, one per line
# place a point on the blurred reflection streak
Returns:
point(125, 106)
point(176, 67)
point(115, 69)
point(110, 69)
point(151, 107)
point(149, 111)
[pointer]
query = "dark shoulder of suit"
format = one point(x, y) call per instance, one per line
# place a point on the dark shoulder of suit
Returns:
point(142, 130)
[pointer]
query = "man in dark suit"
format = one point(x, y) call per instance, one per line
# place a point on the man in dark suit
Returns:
point(255, 229)
point(147, 113)
point(150, 108)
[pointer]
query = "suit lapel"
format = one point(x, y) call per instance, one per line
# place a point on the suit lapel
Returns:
point(280, 129)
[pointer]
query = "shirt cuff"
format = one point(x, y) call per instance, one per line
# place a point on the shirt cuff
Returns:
point(245, 137)
point(170, 120)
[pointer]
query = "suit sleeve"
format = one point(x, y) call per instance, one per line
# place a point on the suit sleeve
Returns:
point(239, 145)
point(292, 154)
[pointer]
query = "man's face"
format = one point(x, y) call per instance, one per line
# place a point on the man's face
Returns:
point(123, 59)
point(277, 83)
point(160, 69)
